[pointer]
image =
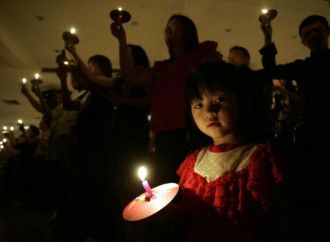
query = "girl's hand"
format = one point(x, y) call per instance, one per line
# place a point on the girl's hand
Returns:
point(267, 30)
point(117, 30)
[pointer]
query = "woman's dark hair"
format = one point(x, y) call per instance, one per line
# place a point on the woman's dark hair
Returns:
point(104, 64)
point(139, 56)
point(190, 36)
point(214, 76)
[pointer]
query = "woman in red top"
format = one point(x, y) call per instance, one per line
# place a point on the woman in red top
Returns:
point(167, 81)
point(230, 184)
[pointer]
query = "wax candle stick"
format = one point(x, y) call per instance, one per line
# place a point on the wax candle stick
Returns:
point(142, 174)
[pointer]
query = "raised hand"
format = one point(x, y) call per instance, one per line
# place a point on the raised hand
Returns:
point(35, 88)
point(117, 30)
point(267, 30)
point(24, 90)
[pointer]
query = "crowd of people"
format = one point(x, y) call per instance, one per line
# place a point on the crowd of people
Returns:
point(247, 147)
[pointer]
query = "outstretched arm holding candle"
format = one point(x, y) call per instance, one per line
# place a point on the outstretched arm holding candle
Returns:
point(33, 102)
point(101, 81)
point(130, 74)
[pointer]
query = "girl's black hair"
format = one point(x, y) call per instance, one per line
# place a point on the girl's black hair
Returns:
point(104, 64)
point(139, 56)
point(214, 76)
point(190, 36)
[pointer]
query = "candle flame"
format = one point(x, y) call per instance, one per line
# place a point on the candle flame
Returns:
point(0, 142)
point(2, 147)
point(142, 173)
point(72, 30)
point(4, 128)
point(12, 128)
point(66, 62)
point(264, 11)
point(4, 140)
point(120, 8)
point(36, 75)
point(24, 80)
point(20, 121)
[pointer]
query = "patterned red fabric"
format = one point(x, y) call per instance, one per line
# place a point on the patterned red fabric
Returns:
point(168, 104)
point(233, 203)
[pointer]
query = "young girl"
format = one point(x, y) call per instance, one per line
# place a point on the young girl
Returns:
point(227, 182)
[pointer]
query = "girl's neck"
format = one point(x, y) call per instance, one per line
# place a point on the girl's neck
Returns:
point(231, 139)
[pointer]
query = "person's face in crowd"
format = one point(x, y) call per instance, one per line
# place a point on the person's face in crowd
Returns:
point(217, 115)
point(21, 139)
point(315, 36)
point(95, 69)
point(279, 82)
point(173, 31)
point(237, 58)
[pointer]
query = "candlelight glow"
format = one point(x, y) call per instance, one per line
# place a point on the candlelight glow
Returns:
point(2, 147)
point(36, 75)
point(4, 140)
point(72, 30)
point(24, 80)
point(66, 62)
point(4, 128)
point(264, 11)
point(11, 128)
point(20, 121)
point(142, 173)
point(1, 142)
point(120, 8)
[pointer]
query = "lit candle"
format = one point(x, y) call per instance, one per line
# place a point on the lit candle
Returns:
point(264, 11)
point(20, 121)
point(37, 76)
point(66, 63)
point(120, 8)
point(142, 174)
point(5, 128)
point(72, 30)
point(1, 142)
point(11, 128)
point(4, 140)
point(1, 146)
point(24, 81)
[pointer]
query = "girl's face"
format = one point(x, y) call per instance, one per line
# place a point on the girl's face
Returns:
point(173, 31)
point(217, 116)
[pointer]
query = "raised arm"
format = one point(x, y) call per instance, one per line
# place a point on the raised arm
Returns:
point(101, 81)
point(33, 101)
point(68, 103)
point(269, 51)
point(130, 74)
point(46, 110)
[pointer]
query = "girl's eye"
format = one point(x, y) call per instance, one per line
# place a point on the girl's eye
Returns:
point(219, 100)
point(197, 106)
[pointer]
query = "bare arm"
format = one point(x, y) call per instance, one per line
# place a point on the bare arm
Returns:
point(138, 78)
point(33, 102)
point(105, 82)
point(68, 103)
point(46, 109)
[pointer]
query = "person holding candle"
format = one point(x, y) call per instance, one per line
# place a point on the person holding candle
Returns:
point(310, 158)
point(167, 80)
point(230, 184)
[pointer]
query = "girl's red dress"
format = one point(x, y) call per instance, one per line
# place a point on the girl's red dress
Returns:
point(230, 207)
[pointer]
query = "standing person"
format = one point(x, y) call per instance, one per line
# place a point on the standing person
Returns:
point(311, 159)
point(232, 187)
point(167, 80)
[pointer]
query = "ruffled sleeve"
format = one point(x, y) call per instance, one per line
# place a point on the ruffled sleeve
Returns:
point(266, 169)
